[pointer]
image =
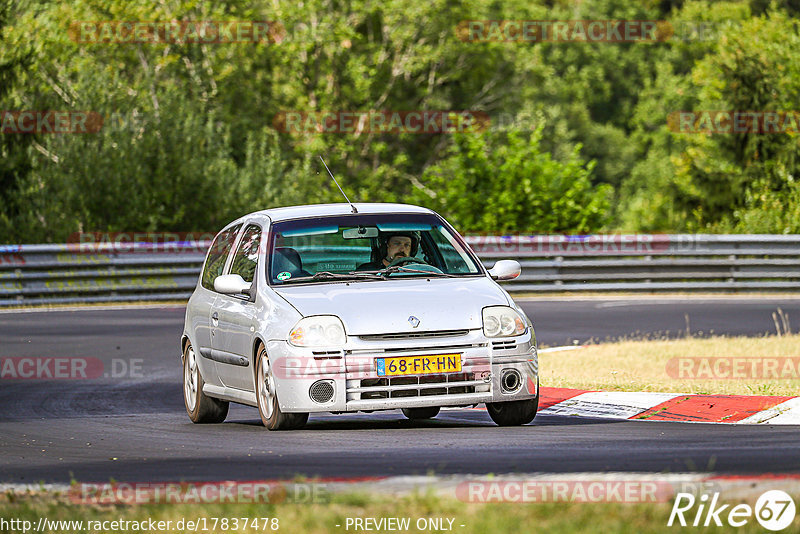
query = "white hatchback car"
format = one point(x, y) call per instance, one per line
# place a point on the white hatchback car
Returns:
point(345, 308)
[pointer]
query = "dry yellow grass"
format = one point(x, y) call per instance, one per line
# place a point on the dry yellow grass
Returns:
point(717, 365)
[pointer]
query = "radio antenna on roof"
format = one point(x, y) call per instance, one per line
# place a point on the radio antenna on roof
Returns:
point(337, 185)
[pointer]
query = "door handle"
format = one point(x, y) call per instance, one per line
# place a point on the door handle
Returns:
point(215, 318)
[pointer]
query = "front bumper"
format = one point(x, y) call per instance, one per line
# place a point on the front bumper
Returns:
point(352, 375)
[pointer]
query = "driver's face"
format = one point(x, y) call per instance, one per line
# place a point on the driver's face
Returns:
point(398, 247)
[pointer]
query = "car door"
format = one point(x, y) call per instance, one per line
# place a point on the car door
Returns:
point(204, 321)
point(203, 326)
point(233, 341)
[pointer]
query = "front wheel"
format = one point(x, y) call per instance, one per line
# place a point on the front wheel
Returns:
point(513, 413)
point(200, 407)
point(421, 413)
point(267, 397)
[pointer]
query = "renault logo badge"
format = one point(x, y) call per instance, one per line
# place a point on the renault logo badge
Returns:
point(414, 321)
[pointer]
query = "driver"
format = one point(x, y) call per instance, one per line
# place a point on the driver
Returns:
point(391, 246)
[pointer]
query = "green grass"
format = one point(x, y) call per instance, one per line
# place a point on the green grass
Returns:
point(323, 517)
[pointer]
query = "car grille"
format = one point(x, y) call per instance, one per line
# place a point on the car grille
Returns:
point(414, 335)
point(412, 386)
point(430, 350)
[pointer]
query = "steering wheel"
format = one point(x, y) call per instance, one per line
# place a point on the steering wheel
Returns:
point(423, 266)
point(402, 260)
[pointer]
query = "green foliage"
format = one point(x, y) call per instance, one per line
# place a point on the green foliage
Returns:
point(14, 161)
point(738, 178)
point(737, 182)
point(506, 183)
point(191, 140)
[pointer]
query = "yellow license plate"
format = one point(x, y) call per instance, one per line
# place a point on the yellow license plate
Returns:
point(419, 365)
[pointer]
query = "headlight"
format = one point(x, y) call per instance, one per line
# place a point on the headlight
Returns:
point(527, 322)
point(318, 331)
point(502, 321)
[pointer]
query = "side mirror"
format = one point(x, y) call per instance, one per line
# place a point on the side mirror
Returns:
point(505, 270)
point(231, 284)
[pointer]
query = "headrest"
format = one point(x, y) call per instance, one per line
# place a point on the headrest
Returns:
point(286, 259)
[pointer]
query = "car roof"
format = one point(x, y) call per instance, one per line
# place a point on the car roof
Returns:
point(323, 210)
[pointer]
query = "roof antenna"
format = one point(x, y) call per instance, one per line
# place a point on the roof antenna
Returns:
point(337, 185)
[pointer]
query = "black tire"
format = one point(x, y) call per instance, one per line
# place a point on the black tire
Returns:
point(513, 413)
point(200, 407)
point(421, 413)
point(268, 406)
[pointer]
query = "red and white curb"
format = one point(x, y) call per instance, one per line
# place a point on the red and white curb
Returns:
point(738, 409)
point(689, 408)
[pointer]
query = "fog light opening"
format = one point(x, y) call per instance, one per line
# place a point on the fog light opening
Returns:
point(321, 391)
point(510, 381)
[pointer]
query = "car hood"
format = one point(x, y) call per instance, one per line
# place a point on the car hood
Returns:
point(385, 306)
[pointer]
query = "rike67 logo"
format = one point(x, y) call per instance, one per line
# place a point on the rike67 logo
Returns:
point(774, 510)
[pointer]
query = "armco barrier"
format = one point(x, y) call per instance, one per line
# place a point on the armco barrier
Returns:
point(649, 263)
point(34, 274)
point(63, 274)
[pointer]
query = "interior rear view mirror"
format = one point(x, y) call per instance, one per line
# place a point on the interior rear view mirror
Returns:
point(361, 232)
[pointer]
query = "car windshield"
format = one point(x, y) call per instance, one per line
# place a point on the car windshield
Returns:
point(359, 247)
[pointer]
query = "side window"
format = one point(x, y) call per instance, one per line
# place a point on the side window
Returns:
point(220, 249)
point(246, 257)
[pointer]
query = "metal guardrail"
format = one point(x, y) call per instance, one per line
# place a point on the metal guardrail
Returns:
point(36, 274)
point(70, 273)
point(648, 263)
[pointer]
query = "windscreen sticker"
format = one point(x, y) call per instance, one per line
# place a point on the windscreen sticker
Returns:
point(285, 275)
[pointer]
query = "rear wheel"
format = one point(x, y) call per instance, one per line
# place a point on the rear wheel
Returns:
point(200, 407)
point(421, 413)
point(267, 397)
point(513, 413)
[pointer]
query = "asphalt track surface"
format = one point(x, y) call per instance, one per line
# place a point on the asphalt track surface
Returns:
point(134, 427)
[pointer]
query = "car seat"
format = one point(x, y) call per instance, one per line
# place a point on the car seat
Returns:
point(287, 259)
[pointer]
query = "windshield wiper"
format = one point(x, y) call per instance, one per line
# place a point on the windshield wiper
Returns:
point(327, 275)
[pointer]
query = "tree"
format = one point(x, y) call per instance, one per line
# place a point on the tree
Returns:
point(14, 160)
point(503, 182)
point(748, 181)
